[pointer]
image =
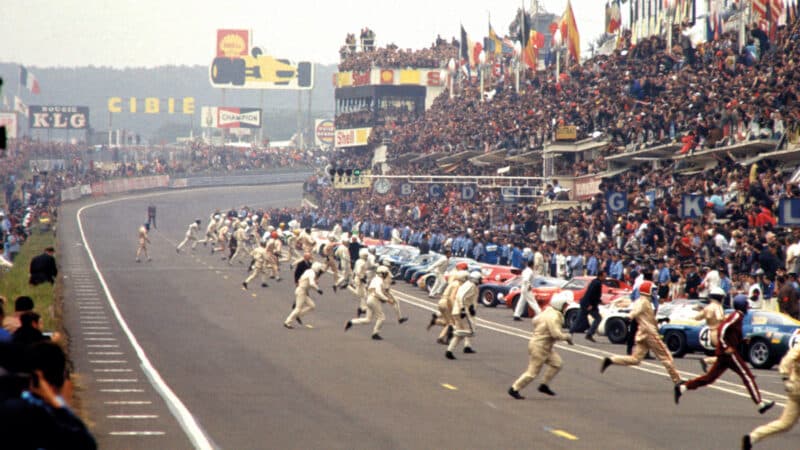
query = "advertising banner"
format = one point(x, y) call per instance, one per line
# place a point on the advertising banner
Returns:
point(58, 117)
point(352, 137)
point(396, 77)
point(230, 117)
point(238, 64)
point(9, 120)
point(324, 131)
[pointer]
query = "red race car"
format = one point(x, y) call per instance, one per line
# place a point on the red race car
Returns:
point(612, 288)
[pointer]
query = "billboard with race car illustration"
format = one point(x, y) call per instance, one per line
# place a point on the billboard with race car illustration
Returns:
point(237, 64)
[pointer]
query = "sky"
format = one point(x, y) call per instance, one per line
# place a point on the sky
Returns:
point(148, 33)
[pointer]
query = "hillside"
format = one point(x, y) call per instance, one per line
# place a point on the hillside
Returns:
point(93, 86)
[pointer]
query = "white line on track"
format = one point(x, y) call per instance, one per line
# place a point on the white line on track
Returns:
point(184, 417)
point(132, 416)
point(129, 402)
point(112, 370)
point(122, 391)
point(137, 433)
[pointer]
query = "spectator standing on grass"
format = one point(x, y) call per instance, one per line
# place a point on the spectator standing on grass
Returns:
point(4, 262)
point(43, 268)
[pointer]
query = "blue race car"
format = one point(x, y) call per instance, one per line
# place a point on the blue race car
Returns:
point(767, 337)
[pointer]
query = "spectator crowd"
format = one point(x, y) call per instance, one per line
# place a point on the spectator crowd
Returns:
point(705, 96)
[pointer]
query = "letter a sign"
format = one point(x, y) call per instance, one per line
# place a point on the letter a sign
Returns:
point(617, 202)
point(692, 206)
point(789, 212)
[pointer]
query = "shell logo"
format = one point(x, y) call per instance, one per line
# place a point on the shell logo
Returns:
point(387, 76)
point(232, 45)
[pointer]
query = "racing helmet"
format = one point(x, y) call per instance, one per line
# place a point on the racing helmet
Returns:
point(281, 225)
point(559, 300)
point(462, 266)
point(197, 221)
point(216, 216)
point(475, 276)
point(274, 235)
point(363, 253)
point(296, 232)
point(646, 288)
point(740, 302)
point(461, 275)
point(270, 228)
point(317, 267)
point(716, 294)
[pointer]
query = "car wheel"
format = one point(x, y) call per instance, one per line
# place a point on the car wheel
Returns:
point(616, 330)
point(759, 354)
point(219, 70)
point(488, 298)
point(237, 72)
point(676, 343)
point(570, 318)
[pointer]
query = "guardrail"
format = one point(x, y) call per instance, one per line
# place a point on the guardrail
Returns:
point(121, 185)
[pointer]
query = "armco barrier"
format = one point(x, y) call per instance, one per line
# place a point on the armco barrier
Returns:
point(267, 178)
point(121, 185)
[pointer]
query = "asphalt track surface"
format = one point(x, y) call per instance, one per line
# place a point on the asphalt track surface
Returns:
point(249, 383)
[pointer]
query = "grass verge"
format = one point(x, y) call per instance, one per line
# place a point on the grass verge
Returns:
point(14, 283)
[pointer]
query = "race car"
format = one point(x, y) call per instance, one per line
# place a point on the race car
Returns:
point(612, 288)
point(614, 315)
point(256, 69)
point(767, 335)
point(419, 263)
point(512, 297)
point(427, 280)
point(397, 255)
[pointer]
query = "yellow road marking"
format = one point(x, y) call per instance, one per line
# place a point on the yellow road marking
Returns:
point(564, 435)
point(254, 295)
point(309, 326)
point(225, 277)
point(449, 386)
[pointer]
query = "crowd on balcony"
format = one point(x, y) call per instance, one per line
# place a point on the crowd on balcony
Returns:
point(393, 57)
point(704, 96)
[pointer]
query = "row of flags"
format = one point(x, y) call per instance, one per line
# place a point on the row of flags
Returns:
point(770, 14)
point(531, 40)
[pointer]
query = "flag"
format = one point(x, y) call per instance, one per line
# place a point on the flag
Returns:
point(28, 80)
point(20, 107)
point(530, 54)
point(569, 33)
point(613, 17)
point(493, 44)
point(464, 45)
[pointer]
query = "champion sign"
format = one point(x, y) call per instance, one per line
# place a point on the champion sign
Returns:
point(58, 117)
point(238, 117)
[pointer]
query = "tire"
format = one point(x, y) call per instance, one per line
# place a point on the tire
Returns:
point(256, 52)
point(676, 343)
point(305, 75)
point(570, 318)
point(220, 70)
point(237, 72)
point(759, 354)
point(616, 330)
point(488, 298)
point(284, 61)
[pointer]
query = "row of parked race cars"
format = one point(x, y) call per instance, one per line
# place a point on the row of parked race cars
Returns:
point(768, 334)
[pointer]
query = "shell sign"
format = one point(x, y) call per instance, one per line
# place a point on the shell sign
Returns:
point(232, 43)
point(387, 76)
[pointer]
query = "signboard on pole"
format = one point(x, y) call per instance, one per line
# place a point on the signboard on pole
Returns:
point(239, 65)
point(324, 131)
point(58, 117)
point(230, 117)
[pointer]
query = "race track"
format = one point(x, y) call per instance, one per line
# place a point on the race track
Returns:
point(248, 383)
